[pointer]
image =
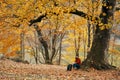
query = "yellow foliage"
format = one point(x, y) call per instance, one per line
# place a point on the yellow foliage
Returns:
point(11, 54)
point(70, 49)
point(18, 13)
point(114, 51)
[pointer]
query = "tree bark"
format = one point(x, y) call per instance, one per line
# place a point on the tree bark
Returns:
point(96, 56)
point(22, 46)
point(44, 44)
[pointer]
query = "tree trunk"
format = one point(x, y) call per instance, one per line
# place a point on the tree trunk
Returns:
point(59, 60)
point(53, 47)
point(22, 46)
point(44, 44)
point(96, 56)
point(36, 50)
point(77, 43)
point(89, 36)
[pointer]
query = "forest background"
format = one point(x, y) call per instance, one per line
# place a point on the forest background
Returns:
point(27, 26)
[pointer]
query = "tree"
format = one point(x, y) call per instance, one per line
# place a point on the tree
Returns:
point(96, 56)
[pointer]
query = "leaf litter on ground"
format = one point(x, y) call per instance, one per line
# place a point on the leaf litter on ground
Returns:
point(10, 70)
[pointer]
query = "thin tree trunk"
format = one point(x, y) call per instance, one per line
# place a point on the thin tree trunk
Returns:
point(36, 49)
point(76, 43)
point(60, 47)
point(60, 52)
point(22, 46)
point(32, 48)
point(53, 47)
point(89, 36)
point(84, 45)
point(113, 47)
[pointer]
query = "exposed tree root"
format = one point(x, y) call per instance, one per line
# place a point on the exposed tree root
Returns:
point(103, 66)
point(97, 65)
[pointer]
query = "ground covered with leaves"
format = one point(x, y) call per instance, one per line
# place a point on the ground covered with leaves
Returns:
point(10, 70)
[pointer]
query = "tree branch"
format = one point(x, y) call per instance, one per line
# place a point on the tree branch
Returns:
point(79, 13)
point(76, 12)
point(117, 8)
point(37, 20)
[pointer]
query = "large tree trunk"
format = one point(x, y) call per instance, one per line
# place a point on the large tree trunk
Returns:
point(96, 56)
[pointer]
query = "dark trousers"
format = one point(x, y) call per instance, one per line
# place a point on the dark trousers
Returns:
point(76, 66)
